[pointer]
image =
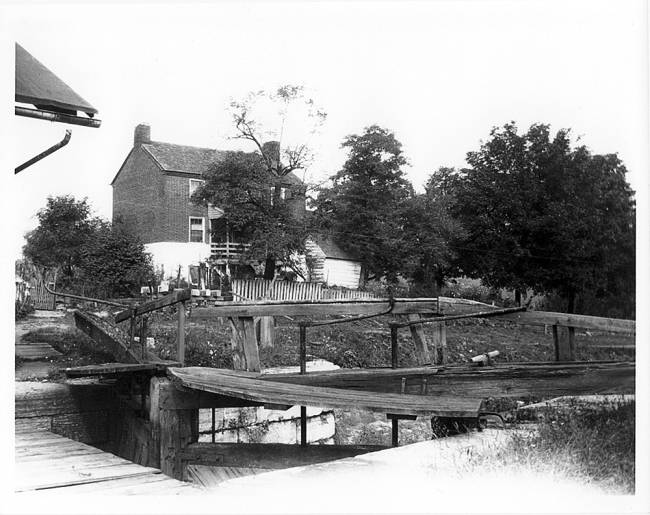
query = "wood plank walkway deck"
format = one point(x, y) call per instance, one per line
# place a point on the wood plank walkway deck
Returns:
point(52, 463)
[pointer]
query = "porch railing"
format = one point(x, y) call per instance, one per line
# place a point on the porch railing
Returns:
point(228, 250)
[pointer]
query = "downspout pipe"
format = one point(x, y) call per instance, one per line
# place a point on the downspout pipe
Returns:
point(45, 153)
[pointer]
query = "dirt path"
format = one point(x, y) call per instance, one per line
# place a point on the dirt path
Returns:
point(35, 359)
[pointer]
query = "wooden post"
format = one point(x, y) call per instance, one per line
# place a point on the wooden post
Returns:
point(180, 337)
point(177, 429)
point(439, 343)
point(393, 346)
point(132, 328)
point(564, 343)
point(143, 337)
point(244, 344)
point(420, 340)
point(267, 330)
point(154, 419)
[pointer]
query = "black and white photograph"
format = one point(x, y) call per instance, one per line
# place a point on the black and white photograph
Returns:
point(325, 257)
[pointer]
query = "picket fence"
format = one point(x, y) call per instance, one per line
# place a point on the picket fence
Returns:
point(254, 289)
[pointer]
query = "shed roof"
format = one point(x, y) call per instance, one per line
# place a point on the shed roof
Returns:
point(331, 249)
point(37, 85)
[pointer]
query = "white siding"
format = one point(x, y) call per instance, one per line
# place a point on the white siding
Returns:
point(341, 272)
point(170, 254)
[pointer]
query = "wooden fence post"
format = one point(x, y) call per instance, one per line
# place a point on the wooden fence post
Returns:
point(246, 354)
point(420, 340)
point(267, 331)
point(180, 337)
point(439, 343)
point(564, 343)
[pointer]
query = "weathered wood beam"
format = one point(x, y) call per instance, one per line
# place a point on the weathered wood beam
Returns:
point(118, 368)
point(612, 325)
point(504, 380)
point(313, 308)
point(264, 392)
point(169, 396)
point(99, 331)
point(269, 456)
point(152, 305)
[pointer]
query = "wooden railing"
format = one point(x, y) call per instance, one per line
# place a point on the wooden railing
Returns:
point(228, 250)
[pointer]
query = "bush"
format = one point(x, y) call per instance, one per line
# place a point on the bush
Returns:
point(22, 309)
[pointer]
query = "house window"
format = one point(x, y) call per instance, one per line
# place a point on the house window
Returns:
point(194, 185)
point(196, 229)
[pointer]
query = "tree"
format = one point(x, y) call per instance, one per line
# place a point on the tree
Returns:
point(95, 256)
point(242, 187)
point(430, 233)
point(541, 214)
point(279, 124)
point(362, 209)
point(64, 227)
point(114, 262)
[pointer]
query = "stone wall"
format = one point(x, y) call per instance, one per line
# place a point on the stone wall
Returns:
point(260, 425)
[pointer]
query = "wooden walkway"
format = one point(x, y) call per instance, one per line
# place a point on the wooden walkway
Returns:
point(51, 463)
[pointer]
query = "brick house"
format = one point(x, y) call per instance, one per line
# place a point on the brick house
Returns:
point(151, 194)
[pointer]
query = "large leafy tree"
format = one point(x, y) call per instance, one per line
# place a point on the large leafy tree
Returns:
point(65, 225)
point(242, 187)
point(362, 209)
point(541, 214)
point(114, 262)
point(251, 188)
point(94, 256)
point(430, 232)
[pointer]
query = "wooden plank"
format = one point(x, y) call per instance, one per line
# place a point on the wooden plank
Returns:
point(314, 308)
point(541, 318)
point(274, 392)
point(513, 380)
point(118, 368)
point(103, 333)
point(270, 456)
point(171, 396)
point(46, 399)
point(152, 305)
point(422, 356)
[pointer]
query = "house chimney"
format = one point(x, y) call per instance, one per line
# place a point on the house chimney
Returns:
point(142, 134)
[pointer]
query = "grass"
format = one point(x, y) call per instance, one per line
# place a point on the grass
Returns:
point(594, 445)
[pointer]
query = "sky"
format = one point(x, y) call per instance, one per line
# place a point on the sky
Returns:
point(438, 74)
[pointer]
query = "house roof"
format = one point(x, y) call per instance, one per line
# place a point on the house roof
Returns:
point(331, 249)
point(182, 158)
point(37, 85)
point(195, 160)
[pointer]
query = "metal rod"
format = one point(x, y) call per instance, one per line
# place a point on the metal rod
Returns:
point(87, 299)
point(303, 370)
point(303, 426)
point(213, 424)
point(52, 116)
point(303, 348)
point(395, 432)
point(478, 314)
point(393, 344)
